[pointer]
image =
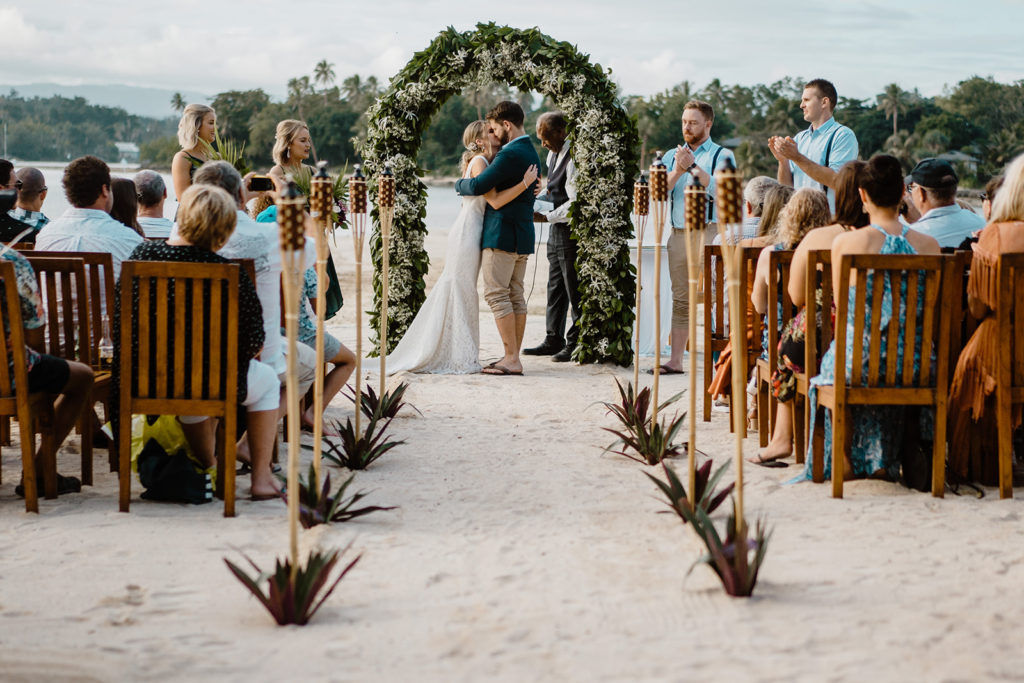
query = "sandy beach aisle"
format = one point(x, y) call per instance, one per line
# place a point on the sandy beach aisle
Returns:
point(519, 552)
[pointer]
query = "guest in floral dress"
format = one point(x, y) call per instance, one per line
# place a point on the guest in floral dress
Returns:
point(876, 430)
point(973, 437)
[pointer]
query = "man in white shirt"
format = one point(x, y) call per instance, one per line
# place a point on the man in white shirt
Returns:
point(261, 243)
point(87, 225)
point(152, 193)
point(563, 285)
point(932, 187)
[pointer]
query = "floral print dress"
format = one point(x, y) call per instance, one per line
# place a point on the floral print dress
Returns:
point(877, 431)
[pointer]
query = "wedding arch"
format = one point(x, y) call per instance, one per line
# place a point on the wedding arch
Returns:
point(605, 144)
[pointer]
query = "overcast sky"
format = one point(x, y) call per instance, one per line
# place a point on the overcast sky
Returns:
point(650, 45)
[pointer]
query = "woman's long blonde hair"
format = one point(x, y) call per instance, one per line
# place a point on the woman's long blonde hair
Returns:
point(1009, 201)
point(474, 131)
point(188, 126)
point(285, 134)
point(807, 209)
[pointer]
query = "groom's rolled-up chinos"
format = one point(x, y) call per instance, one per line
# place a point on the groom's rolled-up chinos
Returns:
point(508, 235)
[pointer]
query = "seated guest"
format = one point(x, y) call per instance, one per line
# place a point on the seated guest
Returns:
point(932, 188)
point(989, 196)
point(151, 193)
point(31, 195)
point(206, 219)
point(87, 225)
point(876, 431)
point(125, 208)
point(67, 380)
point(335, 353)
point(973, 443)
point(775, 199)
point(849, 216)
point(11, 228)
point(753, 206)
point(261, 243)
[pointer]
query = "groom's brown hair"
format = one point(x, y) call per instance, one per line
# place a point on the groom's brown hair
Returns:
point(507, 111)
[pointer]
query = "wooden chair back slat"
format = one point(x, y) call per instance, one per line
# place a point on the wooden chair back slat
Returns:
point(892, 366)
point(878, 280)
point(929, 333)
point(144, 339)
point(198, 343)
point(907, 379)
point(861, 276)
point(161, 331)
point(215, 338)
point(12, 353)
point(715, 338)
point(180, 340)
point(779, 300)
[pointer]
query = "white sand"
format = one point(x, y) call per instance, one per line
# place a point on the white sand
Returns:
point(520, 552)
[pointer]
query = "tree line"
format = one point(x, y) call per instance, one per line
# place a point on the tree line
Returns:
point(979, 118)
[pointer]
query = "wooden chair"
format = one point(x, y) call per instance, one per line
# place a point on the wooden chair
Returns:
point(99, 273)
point(891, 384)
point(819, 271)
point(23, 246)
point(715, 336)
point(66, 301)
point(186, 362)
point(1010, 371)
point(34, 412)
point(715, 305)
point(779, 300)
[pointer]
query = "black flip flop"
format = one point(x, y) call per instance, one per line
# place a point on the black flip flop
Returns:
point(502, 371)
point(773, 463)
point(666, 371)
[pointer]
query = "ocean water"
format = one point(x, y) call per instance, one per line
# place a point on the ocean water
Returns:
point(442, 203)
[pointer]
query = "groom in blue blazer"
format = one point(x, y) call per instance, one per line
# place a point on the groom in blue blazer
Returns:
point(507, 239)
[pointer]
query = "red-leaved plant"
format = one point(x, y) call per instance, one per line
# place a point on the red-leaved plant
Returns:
point(292, 599)
point(708, 498)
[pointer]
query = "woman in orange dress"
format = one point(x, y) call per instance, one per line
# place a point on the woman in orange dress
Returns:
point(973, 440)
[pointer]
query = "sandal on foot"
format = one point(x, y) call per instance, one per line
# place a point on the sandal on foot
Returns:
point(771, 462)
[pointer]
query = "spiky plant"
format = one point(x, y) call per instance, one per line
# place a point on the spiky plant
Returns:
point(291, 597)
point(358, 451)
point(649, 445)
point(387, 405)
point(730, 559)
point(708, 498)
point(632, 411)
point(303, 180)
point(319, 506)
point(226, 150)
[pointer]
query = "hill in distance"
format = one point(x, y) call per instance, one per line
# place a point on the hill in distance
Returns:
point(152, 102)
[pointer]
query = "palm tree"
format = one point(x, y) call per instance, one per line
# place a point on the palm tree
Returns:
point(323, 74)
point(894, 101)
point(178, 102)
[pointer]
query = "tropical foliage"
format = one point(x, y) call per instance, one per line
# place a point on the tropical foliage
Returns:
point(318, 505)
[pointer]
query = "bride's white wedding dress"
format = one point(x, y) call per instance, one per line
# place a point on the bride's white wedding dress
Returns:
point(444, 337)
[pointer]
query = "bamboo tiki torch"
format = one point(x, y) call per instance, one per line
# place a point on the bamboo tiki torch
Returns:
point(320, 200)
point(641, 207)
point(659, 200)
point(357, 210)
point(290, 220)
point(696, 212)
point(386, 206)
point(729, 190)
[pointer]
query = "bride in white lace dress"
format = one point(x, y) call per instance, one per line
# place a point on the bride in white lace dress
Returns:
point(444, 337)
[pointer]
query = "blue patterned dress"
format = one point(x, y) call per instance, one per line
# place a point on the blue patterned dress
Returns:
point(876, 430)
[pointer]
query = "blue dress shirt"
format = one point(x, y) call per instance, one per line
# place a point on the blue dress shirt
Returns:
point(949, 225)
point(704, 155)
point(813, 143)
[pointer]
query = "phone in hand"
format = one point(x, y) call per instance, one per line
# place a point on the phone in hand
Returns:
point(261, 183)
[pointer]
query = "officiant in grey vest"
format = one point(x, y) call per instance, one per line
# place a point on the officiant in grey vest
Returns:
point(563, 285)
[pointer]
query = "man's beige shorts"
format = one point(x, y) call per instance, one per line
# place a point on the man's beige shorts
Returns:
point(503, 273)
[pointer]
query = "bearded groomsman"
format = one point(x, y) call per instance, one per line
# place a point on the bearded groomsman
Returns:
point(563, 284)
point(698, 157)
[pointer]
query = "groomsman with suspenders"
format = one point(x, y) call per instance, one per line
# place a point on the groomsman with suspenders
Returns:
point(813, 158)
point(699, 156)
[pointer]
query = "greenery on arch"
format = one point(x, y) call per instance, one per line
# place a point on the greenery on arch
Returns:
point(605, 143)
